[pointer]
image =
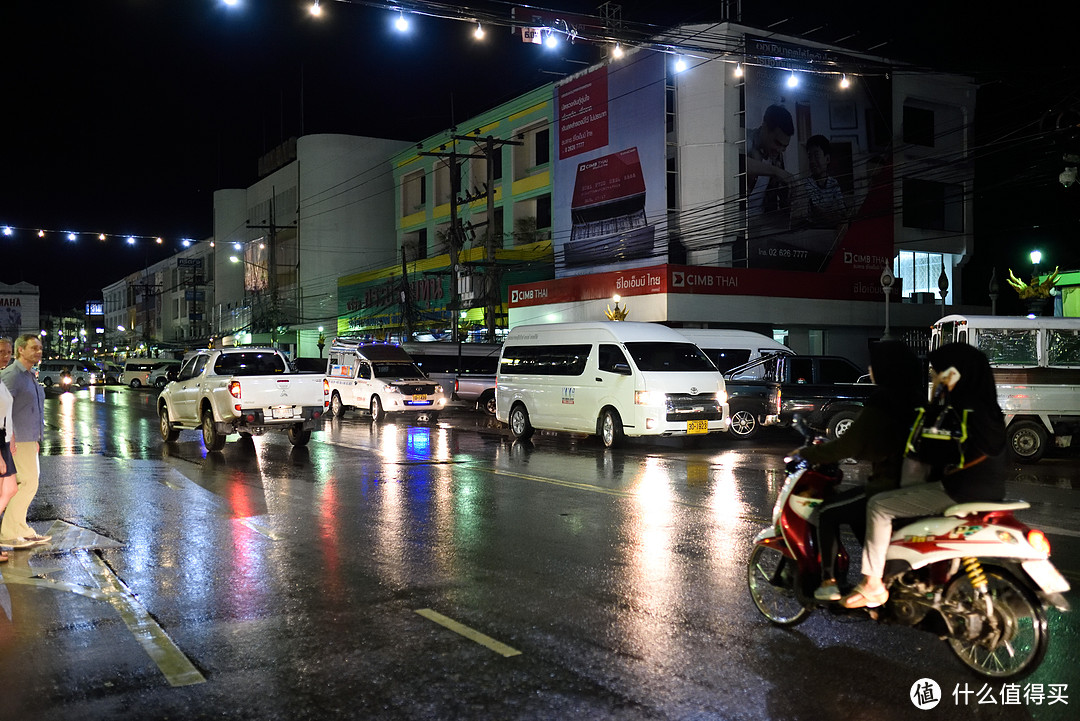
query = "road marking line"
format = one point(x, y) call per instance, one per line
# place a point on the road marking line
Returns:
point(469, 633)
point(176, 667)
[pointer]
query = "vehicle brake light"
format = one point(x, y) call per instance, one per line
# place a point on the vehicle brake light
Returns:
point(1039, 541)
point(234, 389)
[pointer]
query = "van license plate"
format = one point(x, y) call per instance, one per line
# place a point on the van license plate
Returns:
point(419, 397)
point(697, 426)
point(282, 412)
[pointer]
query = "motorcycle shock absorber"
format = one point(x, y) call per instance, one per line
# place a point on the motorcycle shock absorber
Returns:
point(977, 577)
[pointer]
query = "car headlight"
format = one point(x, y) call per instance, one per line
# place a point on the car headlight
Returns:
point(391, 389)
point(648, 398)
point(438, 389)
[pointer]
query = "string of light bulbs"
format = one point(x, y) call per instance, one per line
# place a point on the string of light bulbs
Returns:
point(72, 236)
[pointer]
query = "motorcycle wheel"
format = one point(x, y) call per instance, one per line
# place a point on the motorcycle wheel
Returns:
point(1020, 645)
point(771, 576)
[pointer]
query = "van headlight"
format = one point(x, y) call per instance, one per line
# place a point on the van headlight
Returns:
point(721, 397)
point(648, 398)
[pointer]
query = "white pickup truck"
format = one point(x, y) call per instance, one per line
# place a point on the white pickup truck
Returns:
point(241, 390)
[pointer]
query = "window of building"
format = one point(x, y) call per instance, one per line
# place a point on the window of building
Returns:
point(543, 212)
point(442, 183)
point(919, 272)
point(932, 205)
point(415, 245)
point(413, 192)
point(918, 126)
point(534, 151)
point(542, 146)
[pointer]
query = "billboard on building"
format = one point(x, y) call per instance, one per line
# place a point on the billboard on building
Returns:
point(817, 190)
point(609, 180)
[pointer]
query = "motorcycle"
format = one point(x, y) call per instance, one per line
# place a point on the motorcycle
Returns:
point(975, 575)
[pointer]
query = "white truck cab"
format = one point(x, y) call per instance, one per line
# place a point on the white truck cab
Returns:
point(380, 378)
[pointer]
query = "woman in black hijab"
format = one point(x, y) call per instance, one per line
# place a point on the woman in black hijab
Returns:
point(876, 435)
point(962, 379)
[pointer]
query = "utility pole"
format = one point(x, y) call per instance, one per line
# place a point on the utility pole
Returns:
point(489, 146)
point(407, 310)
point(272, 318)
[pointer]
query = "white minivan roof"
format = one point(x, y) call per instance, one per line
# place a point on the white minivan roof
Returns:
point(621, 331)
point(708, 337)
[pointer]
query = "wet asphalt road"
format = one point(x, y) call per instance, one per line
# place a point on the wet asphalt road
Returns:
point(415, 572)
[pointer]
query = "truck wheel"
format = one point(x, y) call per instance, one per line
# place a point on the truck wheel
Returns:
point(487, 403)
point(377, 413)
point(519, 423)
point(161, 382)
point(298, 436)
point(744, 423)
point(611, 430)
point(1026, 441)
point(213, 440)
point(168, 433)
point(337, 408)
point(839, 423)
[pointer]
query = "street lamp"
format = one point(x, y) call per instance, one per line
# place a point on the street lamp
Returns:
point(887, 280)
point(1036, 258)
point(943, 286)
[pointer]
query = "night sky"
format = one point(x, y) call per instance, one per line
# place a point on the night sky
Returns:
point(124, 116)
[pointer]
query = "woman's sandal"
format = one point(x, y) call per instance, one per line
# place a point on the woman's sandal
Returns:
point(860, 597)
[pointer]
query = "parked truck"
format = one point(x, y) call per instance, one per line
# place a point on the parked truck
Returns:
point(382, 379)
point(467, 370)
point(1036, 365)
point(241, 390)
point(771, 390)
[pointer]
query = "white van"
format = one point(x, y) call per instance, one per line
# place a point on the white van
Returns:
point(728, 348)
point(381, 379)
point(137, 371)
point(609, 378)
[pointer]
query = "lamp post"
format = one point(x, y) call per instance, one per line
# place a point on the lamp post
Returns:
point(943, 286)
point(1036, 258)
point(887, 280)
point(993, 291)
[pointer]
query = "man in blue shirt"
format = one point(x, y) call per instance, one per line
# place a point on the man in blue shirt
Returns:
point(28, 414)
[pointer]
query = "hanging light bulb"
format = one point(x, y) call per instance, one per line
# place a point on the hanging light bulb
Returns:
point(479, 32)
point(844, 82)
point(101, 236)
point(401, 23)
point(315, 9)
point(680, 64)
point(617, 52)
point(8, 230)
point(159, 241)
point(71, 236)
point(738, 70)
point(41, 234)
point(130, 240)
point(792, 81)
point(551, 41)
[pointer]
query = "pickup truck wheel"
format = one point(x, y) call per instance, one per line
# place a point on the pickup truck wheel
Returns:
point(839, 423)
point(337, 408)
point(611, 430)
point(213, 440)
point(377, 413)
point(1026, 441)
point(298, 436)
point(744, 423)
point(487, 403)
point(161, 382)
point(168, 433)
point(519, 423)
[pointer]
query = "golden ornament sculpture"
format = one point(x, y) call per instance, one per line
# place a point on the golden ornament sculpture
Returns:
point(1034, 289)
point(617, 313)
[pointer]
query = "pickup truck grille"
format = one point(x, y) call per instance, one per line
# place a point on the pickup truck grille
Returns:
point(685, 407)
point(413, 389)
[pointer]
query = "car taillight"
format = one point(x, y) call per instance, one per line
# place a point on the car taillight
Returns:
point(234, 389)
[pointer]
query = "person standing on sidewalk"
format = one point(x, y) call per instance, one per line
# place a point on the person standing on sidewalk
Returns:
point(7, 463)
point(27, 432)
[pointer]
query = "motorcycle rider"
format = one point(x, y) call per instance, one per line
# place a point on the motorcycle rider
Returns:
point(876, 435)
point(962, 379)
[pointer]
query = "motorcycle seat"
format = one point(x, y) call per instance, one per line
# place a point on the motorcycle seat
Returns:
point(966, 509)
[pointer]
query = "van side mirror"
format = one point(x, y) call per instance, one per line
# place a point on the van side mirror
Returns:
point(622, 369)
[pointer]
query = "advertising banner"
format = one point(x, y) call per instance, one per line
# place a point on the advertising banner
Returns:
point(609, 181)
point(818, 183)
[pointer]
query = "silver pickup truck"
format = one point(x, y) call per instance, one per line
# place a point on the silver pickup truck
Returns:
point(241, 390)
point(477, 390)
point(466, 369)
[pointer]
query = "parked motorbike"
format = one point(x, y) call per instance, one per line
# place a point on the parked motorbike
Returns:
point(975, 575)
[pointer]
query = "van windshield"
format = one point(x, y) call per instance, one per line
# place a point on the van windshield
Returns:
point(397, 370)
point(670, 357)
